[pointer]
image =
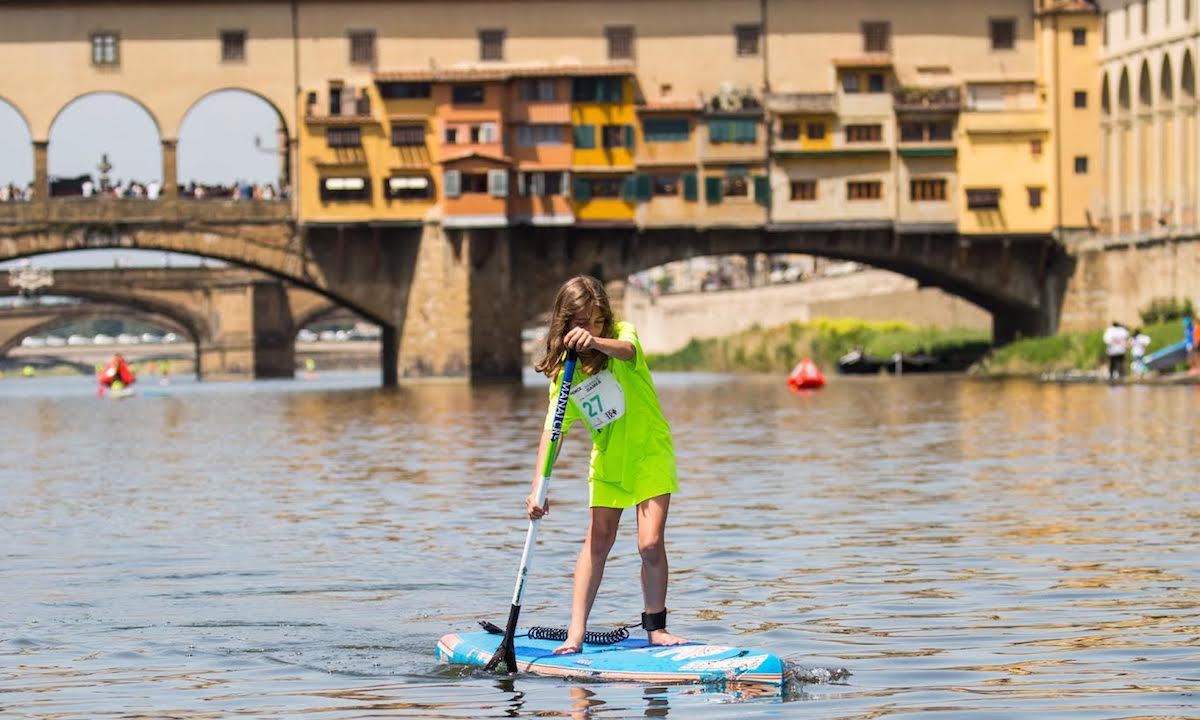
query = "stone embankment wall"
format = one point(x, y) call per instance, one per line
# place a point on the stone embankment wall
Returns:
point(666, 323)
point(1115, 280)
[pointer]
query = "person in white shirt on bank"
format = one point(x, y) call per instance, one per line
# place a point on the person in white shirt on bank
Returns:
point(1138, 345)
point(1116, 340)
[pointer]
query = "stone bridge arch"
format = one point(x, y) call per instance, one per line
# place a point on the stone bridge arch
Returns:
point(19, 323)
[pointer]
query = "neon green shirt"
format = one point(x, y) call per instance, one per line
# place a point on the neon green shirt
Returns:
point(633, 458)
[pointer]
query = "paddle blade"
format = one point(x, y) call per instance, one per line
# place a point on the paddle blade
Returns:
point(506, 652)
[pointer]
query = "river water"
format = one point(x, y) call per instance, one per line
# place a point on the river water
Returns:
point(967, 549)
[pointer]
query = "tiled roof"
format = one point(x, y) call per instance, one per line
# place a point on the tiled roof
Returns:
point(503, 160)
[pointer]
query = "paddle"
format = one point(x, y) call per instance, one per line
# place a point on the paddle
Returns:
point(506, 653)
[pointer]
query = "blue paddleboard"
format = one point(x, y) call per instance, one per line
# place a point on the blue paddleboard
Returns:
point(632, 659)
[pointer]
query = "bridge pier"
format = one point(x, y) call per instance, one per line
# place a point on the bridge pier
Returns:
point(251, 334)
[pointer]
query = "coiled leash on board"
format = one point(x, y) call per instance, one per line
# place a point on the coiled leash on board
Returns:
point(650, 621)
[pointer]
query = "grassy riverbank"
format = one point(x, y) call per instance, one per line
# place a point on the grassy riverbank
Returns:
point(1066, 351)
point(778, 349)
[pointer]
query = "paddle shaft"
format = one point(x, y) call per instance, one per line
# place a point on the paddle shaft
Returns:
point(505, 651)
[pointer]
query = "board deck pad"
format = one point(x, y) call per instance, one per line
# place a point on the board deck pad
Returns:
point(632, 659)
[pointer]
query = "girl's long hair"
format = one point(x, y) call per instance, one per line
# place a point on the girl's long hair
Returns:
point(579, 295)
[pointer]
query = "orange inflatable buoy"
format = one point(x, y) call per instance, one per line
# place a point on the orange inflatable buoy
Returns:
point(806, 376)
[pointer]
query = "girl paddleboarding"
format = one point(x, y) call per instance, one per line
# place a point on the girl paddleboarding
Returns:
point(633, 459)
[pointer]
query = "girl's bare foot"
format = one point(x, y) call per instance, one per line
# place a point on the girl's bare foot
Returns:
point(573, 644)
point(662, 637)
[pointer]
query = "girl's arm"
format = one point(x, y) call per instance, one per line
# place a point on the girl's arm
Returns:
point(580, 339)
point(543, 447)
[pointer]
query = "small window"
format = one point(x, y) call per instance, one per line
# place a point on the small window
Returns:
point(942, 131)
point(597, 89)
point(105, 48)
point(1079, 37)
point(789, 131)
point(666, 130)
point(864, 190)
point(476, 183)
point(804, 189)
point(850, 82)
point(927, 189)
point(408, 135)
point(540, 184)
point(815, 131)
point(620, 42)
point(463, 94)
point(538, 90)
point(665, 185)
point(584, 137)
point(877, 36)
point(233, 46)
point(1035, 147)
point(415, 187)
point(491, 44)
point(912, 131)
point(451, 136)
point(736, 183)
point(864, 133)
point(346, 137)
point(1081, 98)
point(612, 136)
point(983, 199)
point(533, 135)
point(604, 187)
point(875, 83)
point(1004, 33)
point(345, 188)
point(335, 99)
point(1081, 164)
point(404, 90)
point(1035, 197)
point(747, 37)
point(362, 47)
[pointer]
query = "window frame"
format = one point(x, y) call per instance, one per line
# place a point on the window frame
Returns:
point(362, 194)
point(747, 39)
point(226, 37)
point(1081, 164)
point(808, 133)
point(390, 194)
point(1035, 192)
point(873, 132)
point(666, 184)
point(1079, 37)
point(855, 190)
point(807, 186)
point(425, 90)
point(615, 35)
point(456, 100)
point(350, 137)
point(872, 30)
point(1079, 99)
point(357, 41)
point(994, 24)
point(399, 130)
point(98, 61)
point(985, 198)
point(491, 44)
point(927, 189)
point(654, 130)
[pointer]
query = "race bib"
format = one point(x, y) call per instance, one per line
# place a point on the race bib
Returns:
point(600, 399)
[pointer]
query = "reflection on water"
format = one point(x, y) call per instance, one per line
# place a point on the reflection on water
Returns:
point(971, 549)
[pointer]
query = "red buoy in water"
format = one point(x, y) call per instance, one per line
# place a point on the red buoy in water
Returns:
point(806, 376)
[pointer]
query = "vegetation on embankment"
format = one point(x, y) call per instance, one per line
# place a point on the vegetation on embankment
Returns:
point(778, 349)
point(1067, 351)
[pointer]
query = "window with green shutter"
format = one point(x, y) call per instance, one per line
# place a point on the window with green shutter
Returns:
point(585, 137)
point(762, 190)
point(629, 188)
point(718, 131)
point(629, 137)
point(597, 89)
point(582, 190)
point(691, 189)
point(712, 190)
point(644, 188)
point(745, 131)
point(665, 130)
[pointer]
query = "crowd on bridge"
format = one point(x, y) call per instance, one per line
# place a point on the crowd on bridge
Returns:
point(84, 186)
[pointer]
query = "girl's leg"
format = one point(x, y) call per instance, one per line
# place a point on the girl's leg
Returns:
point(589, 570)
point(651, 523)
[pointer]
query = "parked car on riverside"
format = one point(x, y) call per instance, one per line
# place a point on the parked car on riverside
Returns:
point(78, 340)
point(151, 338)
point(33, 341)
point(306, 335)
point(55, 341)
point(170, 338)
point(102, 339)
point(127, 339)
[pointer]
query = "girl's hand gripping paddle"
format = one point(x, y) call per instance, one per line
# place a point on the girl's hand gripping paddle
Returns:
point(506, 653)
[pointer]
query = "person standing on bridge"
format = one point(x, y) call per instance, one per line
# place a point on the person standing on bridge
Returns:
point(633, 458)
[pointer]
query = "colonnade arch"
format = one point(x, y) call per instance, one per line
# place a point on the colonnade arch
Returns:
point(16, 148)
point(59, 316)
point(1149, 153)
point(111, 138)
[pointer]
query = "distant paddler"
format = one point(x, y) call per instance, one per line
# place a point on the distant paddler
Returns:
point(27, 371)
point(116, 375)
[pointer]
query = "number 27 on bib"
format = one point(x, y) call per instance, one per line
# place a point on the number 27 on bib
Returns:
point(600, 399)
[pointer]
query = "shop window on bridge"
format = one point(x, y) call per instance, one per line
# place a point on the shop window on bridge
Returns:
point(666, 130)
point(665, 185)
point(597, 89)
point(864, 133)
point(408, 135)
point(789, 130)
point(612, 136)
point(347, 137)
point(404, 90)
point(804, 190)
point(983, 199)
point(541, 184)
point(338, 189)
point(538, 90)
point(534, 135)
point(401, 187)
point(927, 189)
point(587, 188)
point(736, 183)
point(467, 94)
point(864, 190)
point(233, 46)
point(106, 49)
point(815, 131)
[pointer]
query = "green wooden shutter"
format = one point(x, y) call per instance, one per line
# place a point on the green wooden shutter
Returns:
point(629, 137)
point(582, 190)
point(762, 190)
point(745, 131)
point(585, 136)
point(718, 131)
point(643, 188)
point(690, 188)
point(629, 188)
point(712, 190)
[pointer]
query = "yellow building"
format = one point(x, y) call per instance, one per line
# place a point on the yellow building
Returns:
point(604, 130)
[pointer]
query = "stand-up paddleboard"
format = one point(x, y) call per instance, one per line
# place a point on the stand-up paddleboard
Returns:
point(1167, 357)
point(631, 659)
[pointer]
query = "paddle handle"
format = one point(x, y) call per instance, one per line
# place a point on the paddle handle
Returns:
point(543, 485)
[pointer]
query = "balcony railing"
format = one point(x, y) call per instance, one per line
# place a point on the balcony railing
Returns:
point(803, 103)
point(943, 99)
